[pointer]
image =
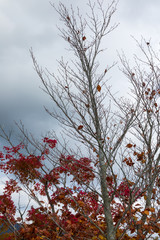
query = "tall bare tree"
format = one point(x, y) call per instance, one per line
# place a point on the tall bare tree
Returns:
point(85, 107)
point(121, 135)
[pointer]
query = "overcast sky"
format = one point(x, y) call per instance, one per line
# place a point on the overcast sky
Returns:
point(32, 23)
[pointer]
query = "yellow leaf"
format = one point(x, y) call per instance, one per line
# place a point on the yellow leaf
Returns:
point(101, 237)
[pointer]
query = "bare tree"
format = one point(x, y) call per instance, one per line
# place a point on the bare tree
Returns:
point(120, 135)
point(83, 98)
point(77, 91)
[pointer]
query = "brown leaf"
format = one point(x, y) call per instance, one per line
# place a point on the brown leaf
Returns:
point(68, 18)
point(129, 145)
point(83, 38)
point(155, 104)
point(99, 88)
point(87, 105)
point(80, 127)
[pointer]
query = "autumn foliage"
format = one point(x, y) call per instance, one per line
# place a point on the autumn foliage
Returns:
point(67, 211)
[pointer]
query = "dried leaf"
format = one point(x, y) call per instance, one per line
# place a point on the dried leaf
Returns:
point(99, 88)
point(83, 38)
point(87, 105)
point(129, 145)
point(155, 104)
point(80, 127)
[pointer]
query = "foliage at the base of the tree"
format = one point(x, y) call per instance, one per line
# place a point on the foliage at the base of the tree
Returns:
point(68, 209)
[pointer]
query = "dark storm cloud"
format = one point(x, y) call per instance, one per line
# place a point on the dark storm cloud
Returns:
point(24, 24)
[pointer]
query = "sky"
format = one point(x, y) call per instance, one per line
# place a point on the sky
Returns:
point(25, 24)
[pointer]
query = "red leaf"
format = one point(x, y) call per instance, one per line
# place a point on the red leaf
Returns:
point(80, 127)
point(84, 38)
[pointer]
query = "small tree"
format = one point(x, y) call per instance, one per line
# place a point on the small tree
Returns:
point(99, 194)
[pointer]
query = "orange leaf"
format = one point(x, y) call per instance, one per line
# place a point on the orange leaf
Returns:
point(80, 127)
point(99, 88)
point(130, 183)
point(68, 221)
point(139, 222)
point(129, 145)
point(152, 209)
point(145, 197)
point(146, 212)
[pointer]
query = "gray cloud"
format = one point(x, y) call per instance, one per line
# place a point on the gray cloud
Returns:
point(25, 24)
